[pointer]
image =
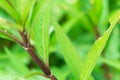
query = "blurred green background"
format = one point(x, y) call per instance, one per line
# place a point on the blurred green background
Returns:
point(83, 21)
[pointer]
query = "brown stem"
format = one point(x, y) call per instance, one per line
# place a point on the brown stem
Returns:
point(38, 61)
point(24, 37)
point(104, 66)
point(29, 48)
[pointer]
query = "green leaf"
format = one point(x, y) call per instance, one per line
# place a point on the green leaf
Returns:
point(98, 7)
point(41, 31)
point(19, 66)
point(9, 28)
point(37, 10)
point(97, 48)
point(5, 15)
point(10, 10)
point(5, 23)
point(2, 35)
point(69, 53)
point(19, 5)
point(27, 10)
point(104, 16)
point(37, 78)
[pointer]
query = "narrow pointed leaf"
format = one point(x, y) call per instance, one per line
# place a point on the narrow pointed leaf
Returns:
point(41, 31)
point(10, 10)
point(5, 23)
point(68, 51)
point(27, 10)
point(37, 10)
point(97, 48)
point(19, 5)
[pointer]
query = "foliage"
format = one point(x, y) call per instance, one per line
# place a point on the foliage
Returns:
point(63, 39)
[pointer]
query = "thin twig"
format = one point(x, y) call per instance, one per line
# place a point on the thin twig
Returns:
point(12, 36)
point(32, 53)
point(96, 31)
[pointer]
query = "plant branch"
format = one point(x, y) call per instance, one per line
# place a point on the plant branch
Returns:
point(12, 36)
point(29, 48)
